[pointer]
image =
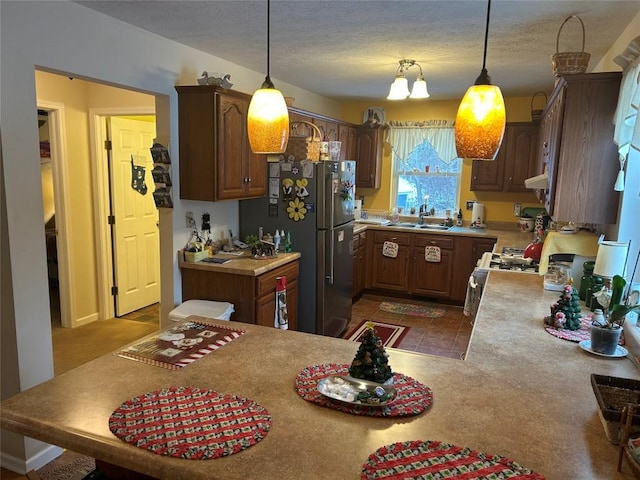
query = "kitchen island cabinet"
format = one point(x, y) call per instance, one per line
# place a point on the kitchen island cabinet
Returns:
point(519, 392)
point(247, 283)
point(216, 161)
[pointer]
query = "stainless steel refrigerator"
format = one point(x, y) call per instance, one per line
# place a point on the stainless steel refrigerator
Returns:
point(312, 202)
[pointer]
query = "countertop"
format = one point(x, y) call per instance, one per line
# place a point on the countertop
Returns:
point(241, 265)
point(520, 393)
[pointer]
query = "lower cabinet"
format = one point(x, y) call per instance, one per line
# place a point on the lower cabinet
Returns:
point(414, 272)
point(431, 278)
point(468, 251)
point(253, 297)
point(390, 273)
point(359, 262)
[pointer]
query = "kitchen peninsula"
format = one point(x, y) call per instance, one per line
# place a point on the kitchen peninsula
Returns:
point(520, 393)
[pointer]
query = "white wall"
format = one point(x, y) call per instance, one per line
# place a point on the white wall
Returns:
point(65, 37)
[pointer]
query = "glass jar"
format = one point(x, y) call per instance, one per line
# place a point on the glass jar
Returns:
point(586, 279)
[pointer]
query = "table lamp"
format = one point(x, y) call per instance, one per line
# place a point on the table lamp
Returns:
point(611, 259)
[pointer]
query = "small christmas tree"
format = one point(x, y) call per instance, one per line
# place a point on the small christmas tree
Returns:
point(566, 311)
point(370, 362)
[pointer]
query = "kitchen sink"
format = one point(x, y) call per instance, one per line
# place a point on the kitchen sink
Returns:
point(430, 226)
point(401, 224)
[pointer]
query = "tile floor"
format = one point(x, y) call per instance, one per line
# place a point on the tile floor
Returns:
point(447, 336)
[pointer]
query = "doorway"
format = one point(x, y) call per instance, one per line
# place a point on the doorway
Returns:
point(81, 186)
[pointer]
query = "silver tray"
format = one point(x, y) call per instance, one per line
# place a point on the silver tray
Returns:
point(332, 386)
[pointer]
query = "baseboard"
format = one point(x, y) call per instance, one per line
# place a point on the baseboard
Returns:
point(39, 460)
point(94, 317)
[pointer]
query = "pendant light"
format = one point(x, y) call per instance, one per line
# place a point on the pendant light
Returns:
point(268, 117)
point(481, 117)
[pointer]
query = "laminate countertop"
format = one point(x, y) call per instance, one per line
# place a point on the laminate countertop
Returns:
point(241, 265)
point(520, 393)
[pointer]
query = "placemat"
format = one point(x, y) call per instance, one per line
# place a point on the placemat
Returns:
point(413, 398)
point(577, 336)
point(187, 422)
point(181, 345)
point(419, 459)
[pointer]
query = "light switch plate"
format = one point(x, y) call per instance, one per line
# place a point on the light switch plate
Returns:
point(470, 204)
point(517, 209)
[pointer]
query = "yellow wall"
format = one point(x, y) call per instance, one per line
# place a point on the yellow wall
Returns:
point(498, 206)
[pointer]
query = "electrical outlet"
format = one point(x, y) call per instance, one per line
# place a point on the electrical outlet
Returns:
point(190, 220)
point(517, 209)
point(470, 204)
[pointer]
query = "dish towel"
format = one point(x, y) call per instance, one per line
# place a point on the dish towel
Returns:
point(581, 243)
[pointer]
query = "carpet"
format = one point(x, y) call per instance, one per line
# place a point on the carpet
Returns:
point(391, 335)
point(68, 466)
point(411, 309)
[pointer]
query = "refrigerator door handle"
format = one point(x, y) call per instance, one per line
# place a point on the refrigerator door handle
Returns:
point(331, 246)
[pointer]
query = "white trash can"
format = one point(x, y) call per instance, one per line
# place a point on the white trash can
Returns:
point(202, 308)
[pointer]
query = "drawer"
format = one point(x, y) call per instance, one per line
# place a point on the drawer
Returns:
point(266, 282)
point(434, 241)
point(356, 241)
point(396, 237)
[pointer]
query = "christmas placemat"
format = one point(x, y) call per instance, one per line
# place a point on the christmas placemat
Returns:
point(412, 397)
point(433, 459)
point(181, 345)
point(577, 336)
point(187, 422)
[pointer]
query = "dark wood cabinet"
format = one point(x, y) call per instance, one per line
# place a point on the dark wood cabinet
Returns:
point(514, 163)
point(431, 278)
point(578, 151)
point(468, 250)
point(359, 262)
point(216, 161)
point(388, 273)
point(368, 155)
point(253, 297)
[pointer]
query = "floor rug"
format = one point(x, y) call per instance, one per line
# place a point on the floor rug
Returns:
point(68, 466)
point(391, 335)
point(411, 309)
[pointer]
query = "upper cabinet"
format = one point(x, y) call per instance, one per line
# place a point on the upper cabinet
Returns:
point(216, 161)
point(368, 155)
point(577, 148)
point(514, 163)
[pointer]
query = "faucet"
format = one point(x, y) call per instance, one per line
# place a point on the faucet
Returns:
point(423, 212)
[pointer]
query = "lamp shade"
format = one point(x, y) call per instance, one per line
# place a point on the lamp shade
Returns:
point(419, 89)
point(399, 88)
point(268, 122)
point(611, 259)
point(480, 123)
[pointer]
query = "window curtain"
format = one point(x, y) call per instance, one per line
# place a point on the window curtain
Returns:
point(627, 127)
point(404, 137)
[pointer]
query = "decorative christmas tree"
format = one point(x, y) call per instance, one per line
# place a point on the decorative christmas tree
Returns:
point(566, 311)
point(370, 362)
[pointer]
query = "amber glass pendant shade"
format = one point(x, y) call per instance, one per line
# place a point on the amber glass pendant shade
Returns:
point(480, 123)
point(268, 122)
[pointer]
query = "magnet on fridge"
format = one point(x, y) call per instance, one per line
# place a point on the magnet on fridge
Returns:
point(311, 207)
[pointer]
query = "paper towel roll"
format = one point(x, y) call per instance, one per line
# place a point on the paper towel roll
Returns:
point(357, 209)
point(477, 215)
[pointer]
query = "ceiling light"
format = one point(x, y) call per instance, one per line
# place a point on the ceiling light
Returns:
point(400, 87)
point(481, 115)
point(268, 117)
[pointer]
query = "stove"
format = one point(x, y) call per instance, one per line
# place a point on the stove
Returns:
point(511, 259)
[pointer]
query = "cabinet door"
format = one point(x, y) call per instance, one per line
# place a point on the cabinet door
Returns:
point(323, 127)
point(343, 137)
point(256, 176)
point(432, 279)
point(390, 273)
point(368, 157)
point(231, 147)
point(521, 149)
point(552, 141)
point(488, 176)
point(266, 307)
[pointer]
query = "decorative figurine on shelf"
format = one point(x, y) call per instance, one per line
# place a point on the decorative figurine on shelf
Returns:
point(371, 360)
point(565, 313)
point(222, 82)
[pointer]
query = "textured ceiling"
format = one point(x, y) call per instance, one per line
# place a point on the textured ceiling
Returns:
point(350, 49)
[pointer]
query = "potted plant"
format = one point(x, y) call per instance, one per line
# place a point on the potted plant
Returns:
point(606, 326)
point(254, 243)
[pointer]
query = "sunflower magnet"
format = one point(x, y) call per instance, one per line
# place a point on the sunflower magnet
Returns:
point(296, 210)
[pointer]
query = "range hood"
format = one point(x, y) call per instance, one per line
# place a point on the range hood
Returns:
point(537, 182)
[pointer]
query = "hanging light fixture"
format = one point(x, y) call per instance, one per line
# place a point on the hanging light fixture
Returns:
point(400, 87)
point(481, 115)
point(268, 117)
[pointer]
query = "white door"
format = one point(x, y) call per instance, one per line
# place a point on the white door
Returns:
point(135, 231)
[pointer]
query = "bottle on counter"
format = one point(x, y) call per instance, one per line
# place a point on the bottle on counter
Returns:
point(276, 241)
point(287, 242)
point(459, 218)
point(586, 279)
